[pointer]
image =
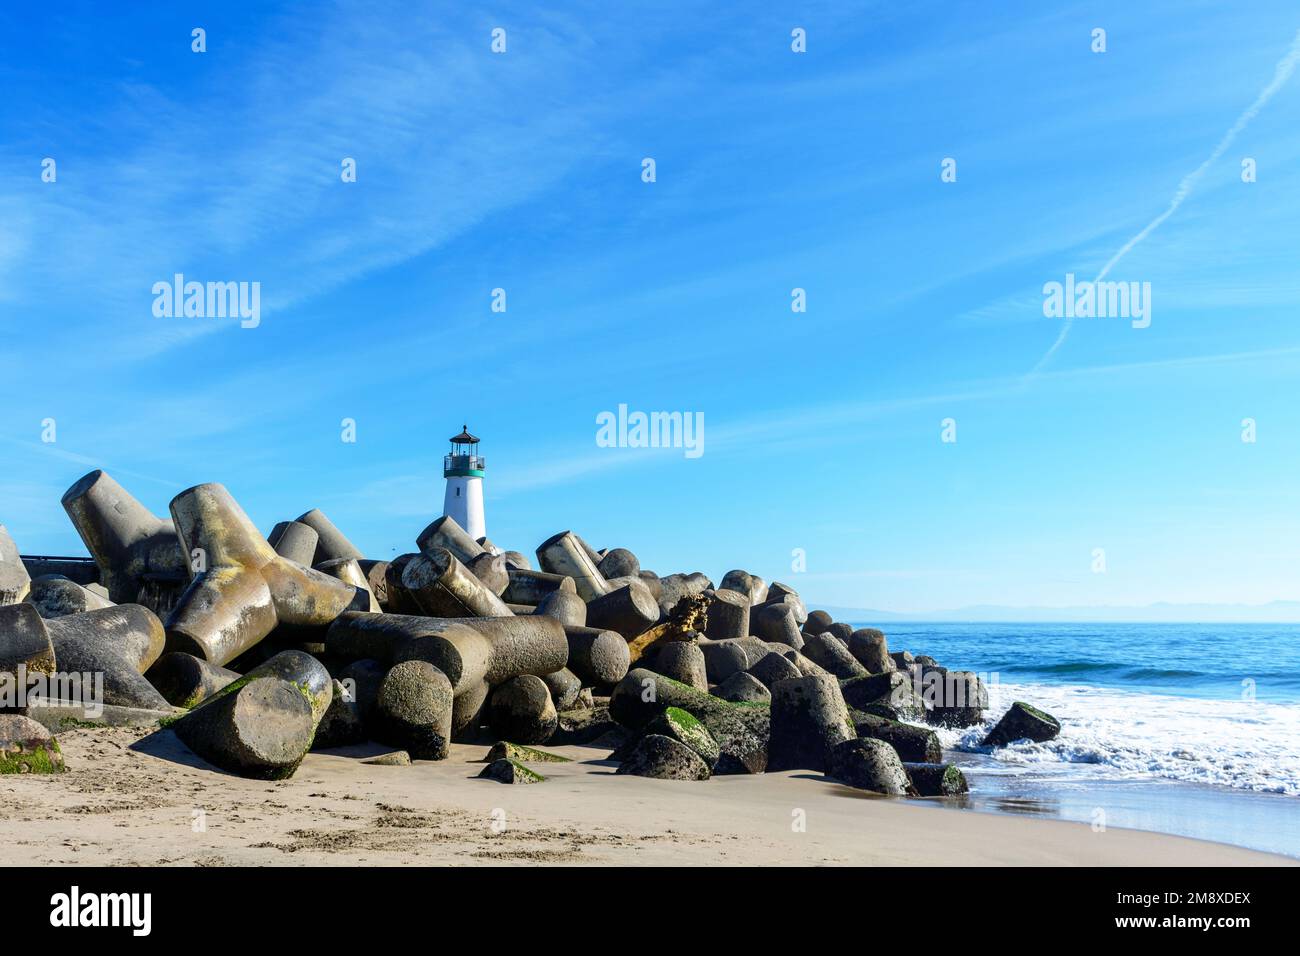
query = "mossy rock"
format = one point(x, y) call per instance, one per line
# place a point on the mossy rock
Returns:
point(27, 747)
point(741, 730)
point(937, 780)
point(1023, 722)
point(506, 750)
point(664, 758)
point(507, 770)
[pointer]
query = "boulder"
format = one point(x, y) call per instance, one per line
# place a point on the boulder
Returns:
point(27, 747)
point(869, 765)
point(505, 750)
point(936, 780)
point(809, 717)
point(954, 698)
point(507, 770)
point(664, 759)
point(1023, 722)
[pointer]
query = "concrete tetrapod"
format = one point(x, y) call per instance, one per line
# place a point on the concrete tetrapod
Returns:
point(598, 657)
point(119, 642)
point(474, 653)
point(348, 570)
point(414, 710)
point(630, 610)
point(53, 595)
point(295, 541)
point(809, 718)
point(243, 589)
point(187, 681)
point(566, 554)
point(25, 646)
point(331, 543)
point(741, 730)
point(262, 725)
point(14, 579)
point(566, 607)
point(521, 710)
point(443, 587)
point(533, 587)
point(445, 532)
point(127, 541)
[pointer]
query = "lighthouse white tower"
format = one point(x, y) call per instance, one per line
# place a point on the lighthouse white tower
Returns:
point(463, 469)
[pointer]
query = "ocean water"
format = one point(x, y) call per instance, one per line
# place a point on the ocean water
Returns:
point(1180, 728)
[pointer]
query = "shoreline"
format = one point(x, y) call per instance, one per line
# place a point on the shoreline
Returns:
point(132, 801)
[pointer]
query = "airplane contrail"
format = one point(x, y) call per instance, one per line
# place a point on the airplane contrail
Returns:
point(1285, 67)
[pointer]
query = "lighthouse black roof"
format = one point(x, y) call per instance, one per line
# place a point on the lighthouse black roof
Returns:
point(464, 438)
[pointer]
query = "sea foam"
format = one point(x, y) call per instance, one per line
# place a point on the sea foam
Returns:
point(1111, 733)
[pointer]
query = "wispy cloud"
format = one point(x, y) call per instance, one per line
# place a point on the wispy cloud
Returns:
point(1281, 73)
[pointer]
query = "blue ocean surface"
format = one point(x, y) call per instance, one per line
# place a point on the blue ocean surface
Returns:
point(1187, 729)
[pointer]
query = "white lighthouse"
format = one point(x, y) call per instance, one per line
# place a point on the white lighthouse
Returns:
point(463, 469)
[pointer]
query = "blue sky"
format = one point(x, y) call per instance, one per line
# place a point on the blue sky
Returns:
point(775, 170)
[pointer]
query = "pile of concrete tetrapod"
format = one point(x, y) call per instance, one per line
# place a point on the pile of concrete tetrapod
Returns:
point(255, 650)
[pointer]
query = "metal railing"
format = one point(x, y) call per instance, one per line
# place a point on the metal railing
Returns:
point(469, 462)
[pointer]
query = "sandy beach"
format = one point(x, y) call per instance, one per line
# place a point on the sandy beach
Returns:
point(133, 799)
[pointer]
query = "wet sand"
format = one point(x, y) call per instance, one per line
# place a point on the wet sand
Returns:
point(136, 799)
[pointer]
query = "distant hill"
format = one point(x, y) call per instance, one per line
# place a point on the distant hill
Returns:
point(1274, 612)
